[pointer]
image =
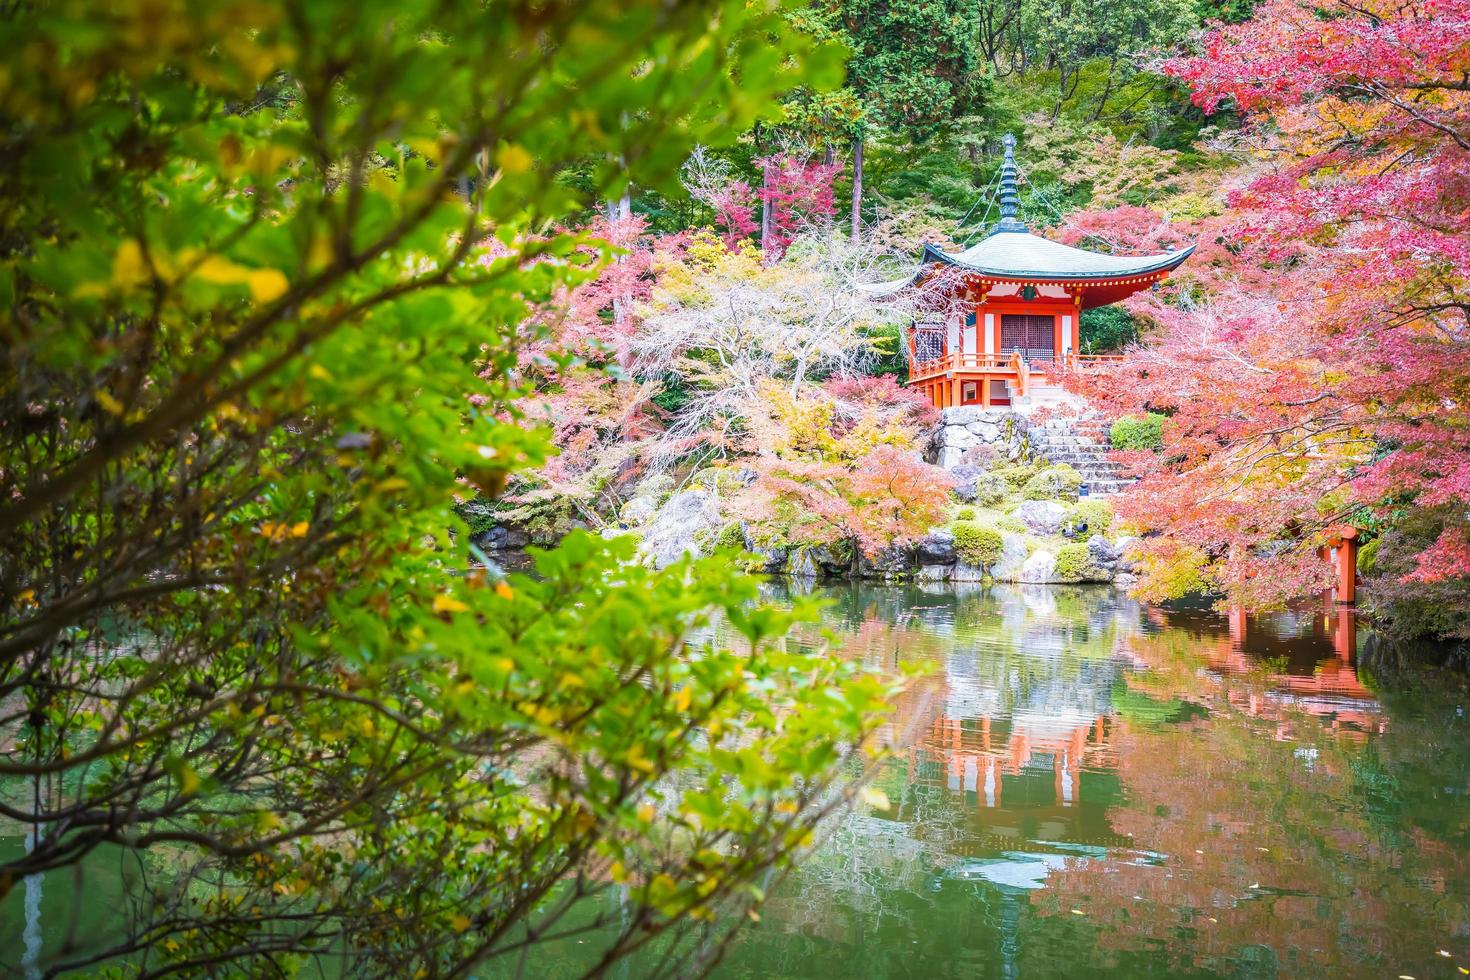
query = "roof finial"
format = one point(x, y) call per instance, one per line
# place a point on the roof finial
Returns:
point(1010, 199)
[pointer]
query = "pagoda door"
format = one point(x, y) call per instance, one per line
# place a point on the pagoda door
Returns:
point(1032, 335)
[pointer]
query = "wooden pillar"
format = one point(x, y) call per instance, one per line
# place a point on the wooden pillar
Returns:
point(1341, 551)
point(985, 391)
point(955, 392)
point(1347, 570)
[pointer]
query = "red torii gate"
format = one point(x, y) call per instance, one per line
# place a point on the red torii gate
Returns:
point(1341, 551)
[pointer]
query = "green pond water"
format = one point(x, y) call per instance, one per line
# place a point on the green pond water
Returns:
point(1094, 788)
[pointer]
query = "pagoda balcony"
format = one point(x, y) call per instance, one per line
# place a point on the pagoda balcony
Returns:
point(996, 380)
point(1006, 365)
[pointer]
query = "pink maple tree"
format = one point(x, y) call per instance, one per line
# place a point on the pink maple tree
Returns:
point(1314, 359)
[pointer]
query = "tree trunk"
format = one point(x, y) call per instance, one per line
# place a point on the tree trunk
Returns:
point(857, 188)
point(765, 209)
point(1107, 89)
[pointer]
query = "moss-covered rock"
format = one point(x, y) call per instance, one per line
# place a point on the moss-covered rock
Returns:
point(977, 544)
point(1074, 564)
point(1095, 515)
point(1053, 483)
point(1012, 523)
point(1017, 475)
point(990, 489)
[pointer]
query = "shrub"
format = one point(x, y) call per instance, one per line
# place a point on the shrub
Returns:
point(731, 536)
point(1096, 514)
point(1012, 523)
point(1018, 474)
point(991, 489)
point(1074, 564)
point(1053, 483)
point(965, 514)
point(1106, 328)
point(977, 544)
point(1368, 556)
point(1132, 432)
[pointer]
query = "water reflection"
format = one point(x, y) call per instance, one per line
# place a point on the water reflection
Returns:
point(1091, 787)
point(1096, 788)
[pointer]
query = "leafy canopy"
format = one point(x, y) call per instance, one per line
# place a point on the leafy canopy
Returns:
point(253, 254)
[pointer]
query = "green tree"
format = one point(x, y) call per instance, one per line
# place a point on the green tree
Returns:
point(243, 292)
point(914, 68)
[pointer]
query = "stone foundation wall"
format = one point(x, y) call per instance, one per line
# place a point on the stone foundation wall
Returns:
point(962, 429)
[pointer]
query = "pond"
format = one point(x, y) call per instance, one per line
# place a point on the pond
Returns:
point(1094, 787)
point(1097, 788)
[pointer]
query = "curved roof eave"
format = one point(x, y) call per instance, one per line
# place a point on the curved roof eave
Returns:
point(1160, 263)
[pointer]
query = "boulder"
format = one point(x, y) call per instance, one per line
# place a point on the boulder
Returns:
point(1012, 557)
point(1039, 569)
point(949, 457)
point(820, 561)
point(890, 562)
point(671, 534)
point(933, 573)
point(639, 510)
point(502, 537)
point(967, 573)
point(773, 558)
point(936, 548)
point(803, 565)
point(1042, 517)
point(1102, 554)
point(1124, 547)
point(965, 476)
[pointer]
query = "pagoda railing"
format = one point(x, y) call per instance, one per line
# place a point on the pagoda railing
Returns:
point(1007, 363)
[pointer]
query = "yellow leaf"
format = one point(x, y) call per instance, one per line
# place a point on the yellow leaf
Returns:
point(514, 159)
point(188, 780)
point(391, 484)
point(449, 604)
point(460, 922)
point(638, 760)
point(503, 590)
point(646, 813)
point(873, 796)
point(221, 271)
point(112, 405)
point(430, 150)
point(319, 372)
point(299, 529)
point(128, 266)
point(267, 285)
point(682, 699)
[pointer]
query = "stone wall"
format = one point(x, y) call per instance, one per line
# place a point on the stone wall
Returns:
point(968, 427)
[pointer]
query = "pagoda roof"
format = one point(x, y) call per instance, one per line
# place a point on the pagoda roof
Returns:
point(1021, 255)
point(1011, 253)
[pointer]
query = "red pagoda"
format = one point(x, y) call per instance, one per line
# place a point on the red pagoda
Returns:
point(1016, 303)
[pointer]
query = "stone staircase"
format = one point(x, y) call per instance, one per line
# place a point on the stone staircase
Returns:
point(1080, 443)
point(1041, 396)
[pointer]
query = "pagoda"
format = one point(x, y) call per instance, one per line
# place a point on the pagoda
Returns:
point(1015, 302)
